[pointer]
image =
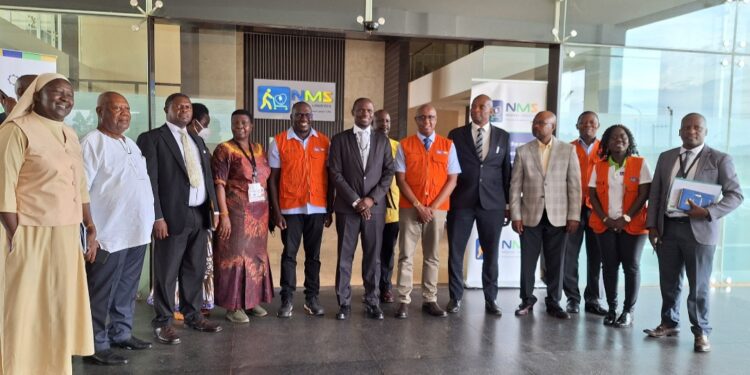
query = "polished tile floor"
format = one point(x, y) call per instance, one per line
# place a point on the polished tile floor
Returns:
point(469, 342)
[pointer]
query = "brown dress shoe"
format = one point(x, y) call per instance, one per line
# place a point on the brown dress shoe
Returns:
point(403, 311)
point(166, 335)
point(203, 325)
point(701, 344)
point(661, 330)
point(387, 296)
point(434, 309)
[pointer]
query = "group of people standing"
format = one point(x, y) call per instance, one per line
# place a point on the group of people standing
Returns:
point(78, 216)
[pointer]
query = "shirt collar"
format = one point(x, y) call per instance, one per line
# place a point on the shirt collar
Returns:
point(695, 150)
point(613, 163)
point(175, 129)
point(548, 145)
point(475, 127)
point(290, 134)
point(358, 130)
point(431, 137)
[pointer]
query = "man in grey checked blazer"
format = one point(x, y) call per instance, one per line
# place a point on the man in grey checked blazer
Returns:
point(545, 198)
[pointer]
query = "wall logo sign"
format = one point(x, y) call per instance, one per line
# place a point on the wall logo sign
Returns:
point(274, 98)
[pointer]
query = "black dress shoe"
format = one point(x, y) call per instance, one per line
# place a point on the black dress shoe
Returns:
point(454, 306)
point(492, 308)
point(386, 296)
point(373, 312)
point(285, 311)
point(434, 309)
point(133, 343)
point(106, 358)
point(344, 312)
point(558, 313)
point(313, 307)
point(610, 318)
point(595, 309)
point(166, 335)
point(625, 320)
point(572, 308)
point(524, 309)
point(403, 311)
point(203, 325)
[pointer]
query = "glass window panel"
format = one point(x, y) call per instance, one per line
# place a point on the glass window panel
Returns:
point(649, 91)
point(682, 24)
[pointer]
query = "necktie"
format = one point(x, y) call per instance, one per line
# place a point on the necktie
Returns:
point(427, 143)
point(684, 167)
point(363, 142)
point(480, 141)
point(194, 171)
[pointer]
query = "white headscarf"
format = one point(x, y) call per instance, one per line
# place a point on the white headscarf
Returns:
point(26, 101)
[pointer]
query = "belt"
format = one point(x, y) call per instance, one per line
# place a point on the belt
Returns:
point(681, 219)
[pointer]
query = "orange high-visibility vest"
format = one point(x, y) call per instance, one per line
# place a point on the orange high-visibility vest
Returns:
point(303, 175)
point(586, 162)
point(631, 180)
point(426, 172)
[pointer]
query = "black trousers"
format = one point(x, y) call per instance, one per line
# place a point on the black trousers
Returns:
point(551, 240)
point(390, 235)
point(626, 249)
point(348, 228)
point(489, 226)
point(112, 289)
point(180, 255)
point(680, 251)
point(299, 227)
point(593, 263)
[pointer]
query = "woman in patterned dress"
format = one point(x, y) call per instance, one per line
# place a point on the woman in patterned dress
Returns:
point(242, 271)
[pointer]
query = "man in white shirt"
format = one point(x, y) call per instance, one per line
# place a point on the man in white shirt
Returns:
point(122, 207)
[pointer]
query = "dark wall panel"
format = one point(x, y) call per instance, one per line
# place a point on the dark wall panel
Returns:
point(294, 58)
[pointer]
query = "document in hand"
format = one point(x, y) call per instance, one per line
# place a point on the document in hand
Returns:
point(699, 199)
point(691, 189)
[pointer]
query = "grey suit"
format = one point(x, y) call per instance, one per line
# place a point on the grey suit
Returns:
point(544, 203)
point(690, 243)
point(353, 182)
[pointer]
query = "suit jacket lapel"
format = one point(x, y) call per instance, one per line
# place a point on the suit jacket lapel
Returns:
point(354, 149)
point(705, 158)
point(534, 149)
point(494, 141)
point(469, 139)
point(173, 147)
point(373, 147)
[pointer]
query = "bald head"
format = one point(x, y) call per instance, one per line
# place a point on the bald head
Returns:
point(113, 112)
point(23, 82)
point(481, 110)
point(426, 119)
point(544, 126)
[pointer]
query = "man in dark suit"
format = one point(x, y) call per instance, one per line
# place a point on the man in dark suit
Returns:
point(686, 240)
point(480, 195)
point(179, 166)
point(360, 164)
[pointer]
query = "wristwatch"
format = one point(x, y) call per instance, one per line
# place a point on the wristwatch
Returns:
point(627, 218)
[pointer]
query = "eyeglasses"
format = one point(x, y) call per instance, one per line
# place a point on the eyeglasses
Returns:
point(301, 115)
point(423, 117)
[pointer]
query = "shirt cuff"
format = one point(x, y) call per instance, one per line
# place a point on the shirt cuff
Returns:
point(356, 202)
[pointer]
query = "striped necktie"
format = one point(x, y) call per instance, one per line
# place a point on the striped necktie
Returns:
point(479, 142)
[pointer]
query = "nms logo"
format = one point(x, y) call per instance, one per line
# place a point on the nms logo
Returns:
point(310, 96)
point(521, 107)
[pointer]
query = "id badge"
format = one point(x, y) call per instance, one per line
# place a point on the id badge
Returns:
point(255, 193)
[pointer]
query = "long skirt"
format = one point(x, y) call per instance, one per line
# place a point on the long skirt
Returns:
point(46, 315)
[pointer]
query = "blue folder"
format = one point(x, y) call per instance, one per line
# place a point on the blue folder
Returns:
point(698, 197)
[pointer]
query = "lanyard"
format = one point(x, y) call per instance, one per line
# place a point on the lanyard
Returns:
point(684, 171)
point(250, 158)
